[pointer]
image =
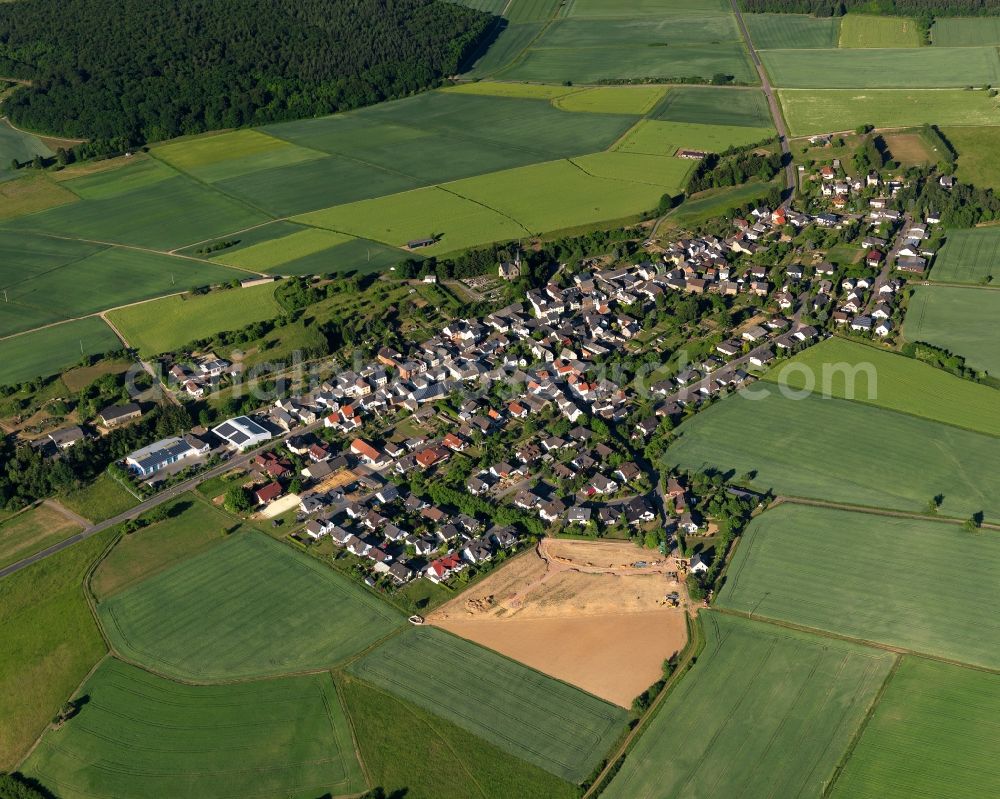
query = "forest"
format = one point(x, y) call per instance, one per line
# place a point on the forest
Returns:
point(902, 8)
point(123, 72)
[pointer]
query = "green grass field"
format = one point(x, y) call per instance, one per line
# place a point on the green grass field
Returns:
point(965, 31)
point(99, 500)
point(791, 31)
point(546, 722)
point(30, 194)
point(657, 170)
point(20, 146)
point(849, 370)
point(193, 526)
point(918, 67)
point(523, 91)
point(407, 749)
point(708, 204)
point(612, 100)
point(32, 531)
point(819, 111)
point(962, 321)
point(219, 156)
point(975, 147)
point(866, 577)
point(167, 324)
point(273, 253)
point(530, 10)
point(49, 351)
point(862, 30)
point(50, 643)
point(513, 41)
point(643, 8)
point(809, 448)
point(933, 733)
point(968, 256)
point(765, 712)
point(299, 614)
point(142, 735)
point(707, 105)
point(665, 138)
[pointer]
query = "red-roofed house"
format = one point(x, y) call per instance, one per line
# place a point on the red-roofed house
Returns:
point(439, 570)
point(268, 492)
point(454, 442)
point(367, 453)
point(432, 455)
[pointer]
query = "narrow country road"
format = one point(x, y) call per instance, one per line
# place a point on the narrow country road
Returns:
point(772, 101)
point(164, 496)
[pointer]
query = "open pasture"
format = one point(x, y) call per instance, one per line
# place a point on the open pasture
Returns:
point(30, 194)
point(933, 733)
point(219, 156)
point(139, 735)
point(713, 202)
point(923, 586)
point(711, 105)
point(50, 643)
point(968, 256)
point(99, 500)
point(792, 31)
point(960, 320)
point(299, 614)
point(168, 213)
point(764, 712)
point(406, 748)
point(822, 111)
point(843, 451)
point(976, 147)
point(168, 324)
point(534, 717)
point(965, 31)
point(653, 137)
point(867, 31)
point(45, 352)
point(656, 170)
point(911, 149)
point(31, 531)
point(891, 381)
point(923, 67)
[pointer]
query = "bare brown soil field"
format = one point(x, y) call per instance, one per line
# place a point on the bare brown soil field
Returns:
point(578, 611)
point(910, 149)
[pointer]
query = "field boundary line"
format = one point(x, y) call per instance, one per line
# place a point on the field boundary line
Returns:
point(351, 728)
point(487, 207)
point(860, 731)
point(874, 511)
point(820, 633)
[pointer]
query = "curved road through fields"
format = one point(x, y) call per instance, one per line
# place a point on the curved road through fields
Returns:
point(772, 101)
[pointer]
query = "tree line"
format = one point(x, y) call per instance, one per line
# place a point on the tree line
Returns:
point(902, 8)
point(123, 73)
point(734, 167)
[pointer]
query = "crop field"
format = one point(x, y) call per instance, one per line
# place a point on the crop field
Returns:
point(861, 30)
point(924, 67)
point(643, 8)
point(849, 370)
point(792, 31)
point(30, 194)
point(32, 531)
point(534, 717)
point(965, 31)
point(184, 621)
point(933, 733)
point(764, 712)
point(193, 525)
point(406, 748)
point(923, 586)
point(531, 10)
point(594, 64)
point(165, 214)
point(216, 157)
point(16, 145)
point(668, 173)
point(968, 256)
point(810, 447)
point(509, 45)
point(960, 320)
point(665, 138)
point(521, 91)
point(52, 349)
point(822, 111)
point(976, 149)
point(167, 324)
point(272, 253)
point(50, 643)
point(708, 105)
point(143, 735)
point(612, 99)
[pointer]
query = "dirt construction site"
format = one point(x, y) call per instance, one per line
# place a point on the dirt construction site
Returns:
point(602, 615)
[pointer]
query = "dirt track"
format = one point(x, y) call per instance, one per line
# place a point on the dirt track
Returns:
point(580, 611)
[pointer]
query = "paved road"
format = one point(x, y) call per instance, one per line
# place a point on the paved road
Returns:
point(772, 101)
point(164, 496)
